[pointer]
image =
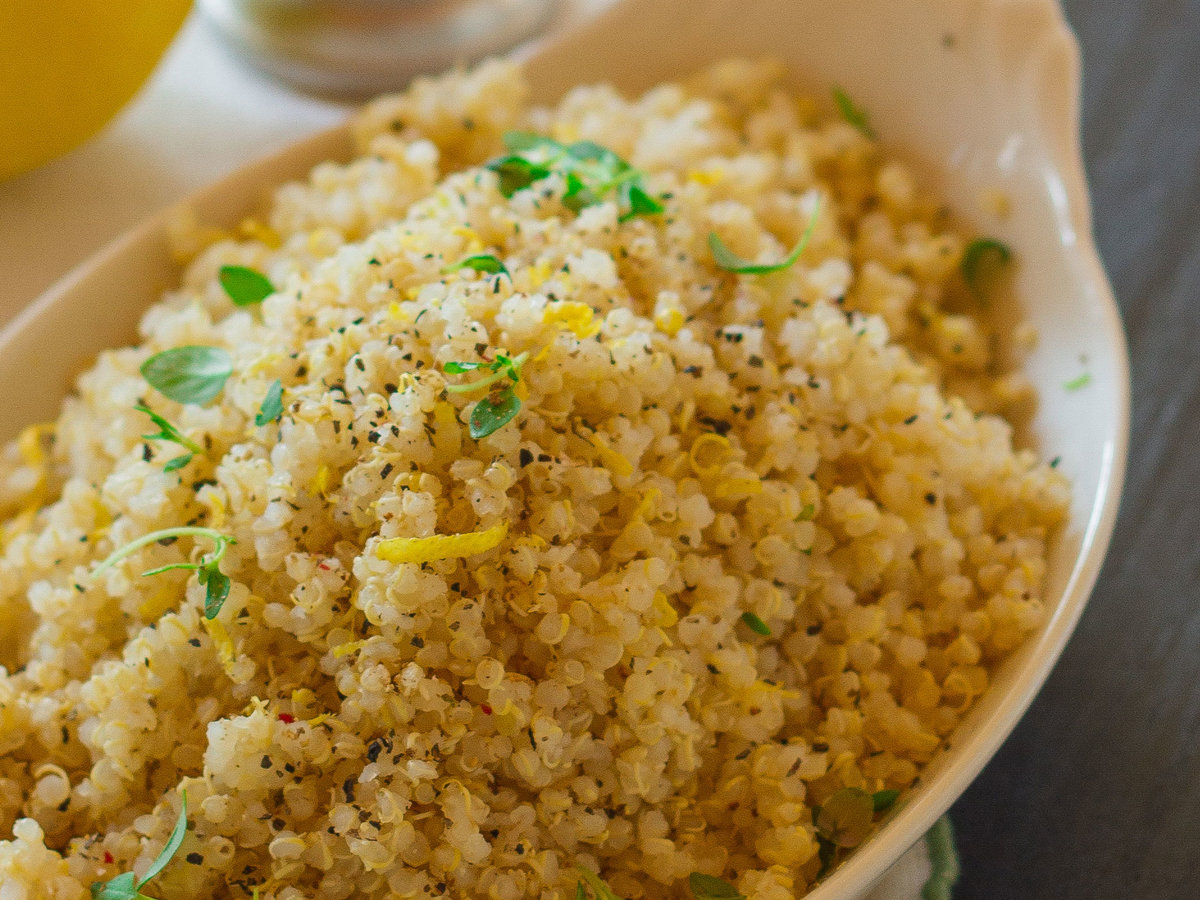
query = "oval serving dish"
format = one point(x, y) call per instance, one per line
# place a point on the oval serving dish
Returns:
point(982, 95)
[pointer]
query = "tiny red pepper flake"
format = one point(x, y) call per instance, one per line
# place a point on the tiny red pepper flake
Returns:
point(487, 710)
point(286, 718)
point(108, 858)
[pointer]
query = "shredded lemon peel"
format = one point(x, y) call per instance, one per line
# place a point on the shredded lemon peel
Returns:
point(440, 546)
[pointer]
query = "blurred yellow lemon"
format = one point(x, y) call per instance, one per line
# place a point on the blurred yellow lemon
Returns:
point(67, 66)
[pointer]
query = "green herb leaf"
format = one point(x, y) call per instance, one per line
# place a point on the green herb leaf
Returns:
point(847, 817)
point(853, 113)
point(272, 406)
point(807, 512)
point(190, 374)
point(580, 891)
point(173, 842)
point(482, 262)
point(943, 860)
point(126, 886)
point(457, 368)
point(216, 589)
point(207, 569)
point(494, 412)
point(590, 171)
point(636, 202)
point(120, 887)
point(168, 432)
point(178, 462)
point(729, 261)
point(1078, 382)
point(883, 800)
point(975, 262)
point(600, 890)
point(516, 173)
point(707, 887)
point(755, 624)
point(245, 287)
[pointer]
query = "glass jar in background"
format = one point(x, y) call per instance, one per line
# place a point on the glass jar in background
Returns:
point(355, 48)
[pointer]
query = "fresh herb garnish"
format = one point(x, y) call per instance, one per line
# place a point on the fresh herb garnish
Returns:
point(853, 113)
point(245, 287)
point(884, 800)
point(208, 572)
point(729, 261)
point(943, 860)
point(272, 406)
point(846, 818)
point(168, 432)
point(1078, 382)
point(707, 887)
point(755, 624)
point(975, 262)
point(501, 405)
point(591, 172)
point(482, 262)
point(127, 886)
point(493, 412)
point(190, 374)
point(600, 890)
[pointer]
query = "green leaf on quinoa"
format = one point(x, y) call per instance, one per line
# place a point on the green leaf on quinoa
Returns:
point(729, 261)
point(755, 624)
point(600, 890)
point(708, 887)
point(177, 462)
point(245, 287)
point(979, 257)
point(943, 860)
point(481, 262)
point(493, 412)
point(501, 405)
point(846, 818)
point(126, 886)
point(853, 113)
point(208, 572)
point(168, 432)
point(190, 374)
point(590, 171)
point(637, 202)
point(883, 800)
point(1080, 381)
point(272, 406)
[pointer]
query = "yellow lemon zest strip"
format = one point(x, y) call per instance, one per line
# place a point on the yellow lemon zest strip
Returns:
point(620, 466)
point(223, 643)
point(578, 318)
point(440, 546)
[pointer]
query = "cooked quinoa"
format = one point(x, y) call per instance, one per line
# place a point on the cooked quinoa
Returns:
point(558, 672)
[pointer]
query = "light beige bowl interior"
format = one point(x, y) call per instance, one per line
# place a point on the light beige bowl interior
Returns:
point(980, 94)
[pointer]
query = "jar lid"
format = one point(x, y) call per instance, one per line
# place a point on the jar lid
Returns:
point(356, 48)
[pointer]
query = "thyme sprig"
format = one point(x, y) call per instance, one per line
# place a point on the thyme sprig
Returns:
point(591, 171)
point(502, 404)
point(169, 433)
point(215, 583)
point(128, 886)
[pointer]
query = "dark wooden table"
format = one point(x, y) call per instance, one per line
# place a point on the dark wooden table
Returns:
point(1097, 793)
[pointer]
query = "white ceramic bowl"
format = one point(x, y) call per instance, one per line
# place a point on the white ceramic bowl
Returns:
point(980, 94)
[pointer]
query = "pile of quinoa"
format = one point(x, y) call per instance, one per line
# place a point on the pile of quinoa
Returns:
point(573, 682)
